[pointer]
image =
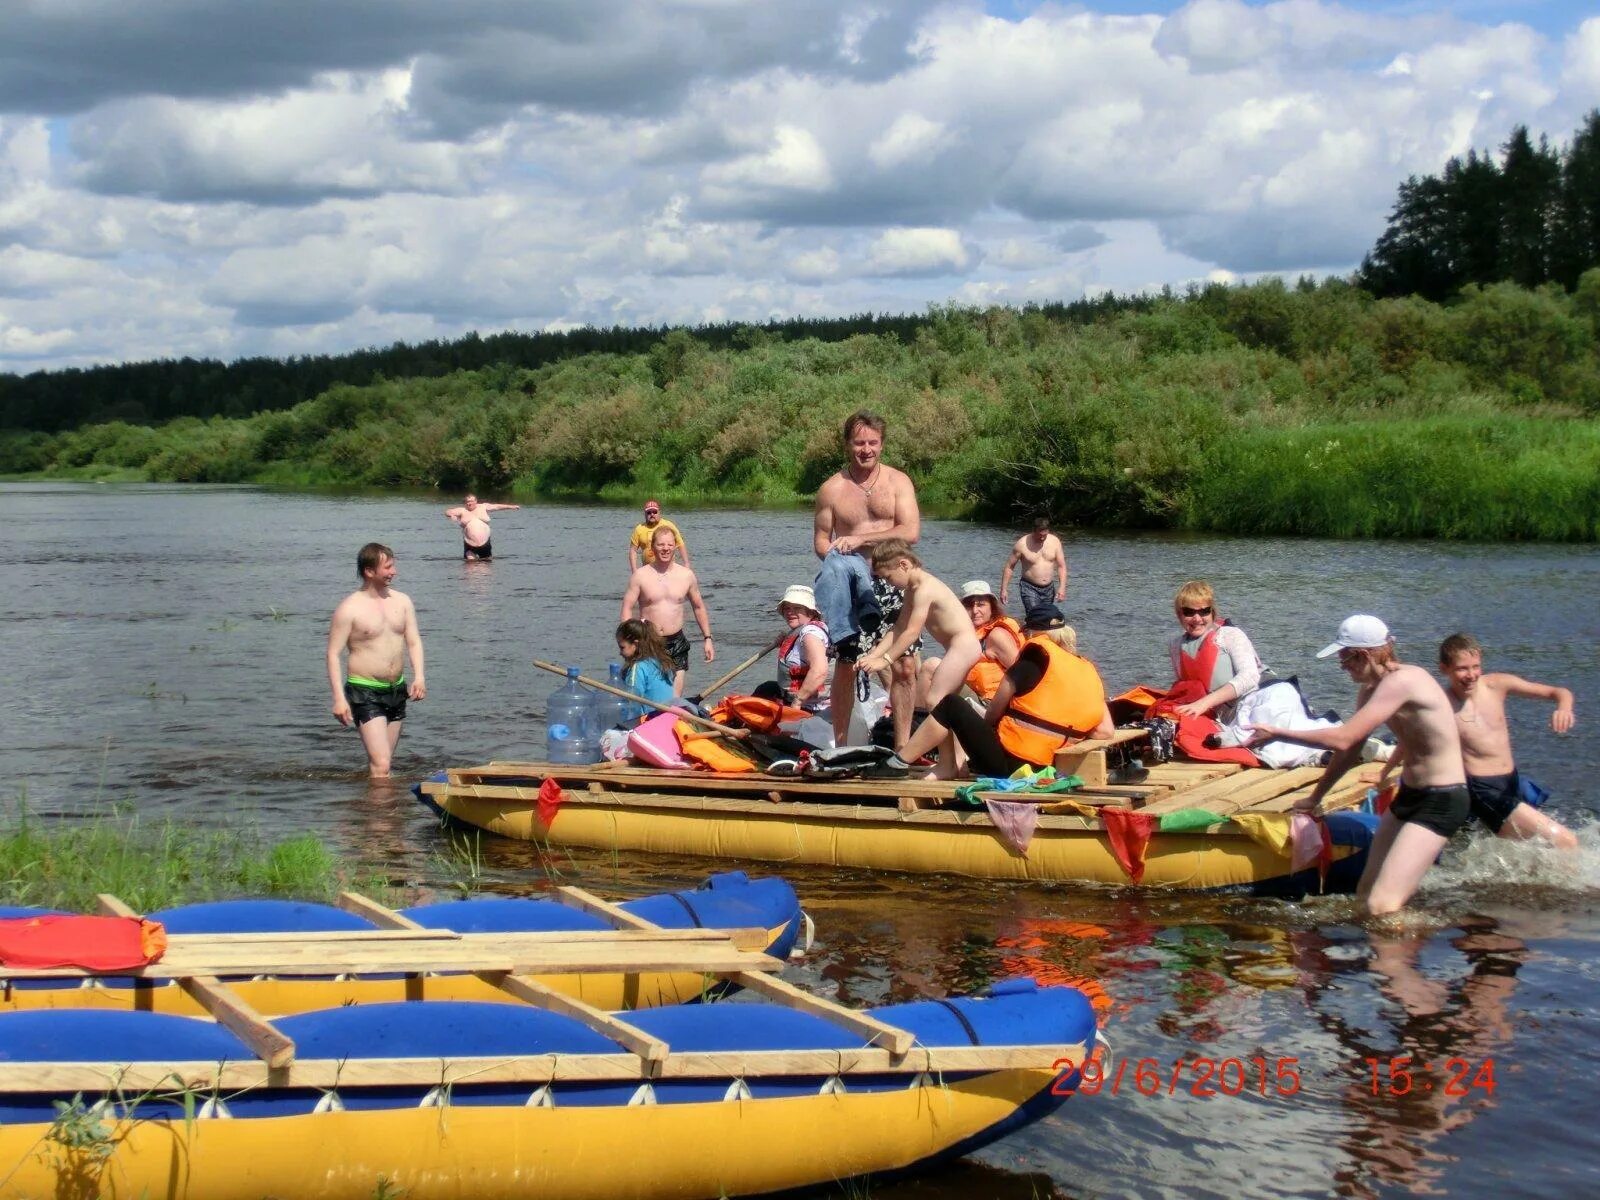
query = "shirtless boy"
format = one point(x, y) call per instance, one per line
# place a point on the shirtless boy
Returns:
point(865, 503)
point(378, 627)
point(659, 588)
point(1044, 571)
point(1432, 803)
point(928, 601)
point(1480, 707)
point(473, 517)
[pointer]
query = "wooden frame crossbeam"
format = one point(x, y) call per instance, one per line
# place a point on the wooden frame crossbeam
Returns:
point(533, 1070)
point(197, 962)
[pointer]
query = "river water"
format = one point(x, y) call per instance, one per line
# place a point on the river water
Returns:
point(163, 647)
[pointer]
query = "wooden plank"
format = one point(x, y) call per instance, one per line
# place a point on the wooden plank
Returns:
point(1225, 796)
point(110, 906)
point(530, 991)
point(269, 1043)
point(1088, 765)
point(380, 915)
point(891, 1037)
point(1349, 792)
point(165, 1077)
point(619, 917)
point(695, 950)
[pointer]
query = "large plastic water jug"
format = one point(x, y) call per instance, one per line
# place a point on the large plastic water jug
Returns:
point(572, 734)
point(612, 711)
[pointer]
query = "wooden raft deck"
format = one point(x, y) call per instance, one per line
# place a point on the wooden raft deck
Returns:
point(1224, 789)
point(400, 946)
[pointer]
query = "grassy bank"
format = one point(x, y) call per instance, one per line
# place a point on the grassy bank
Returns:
point(65, 864)
point(1265, 409)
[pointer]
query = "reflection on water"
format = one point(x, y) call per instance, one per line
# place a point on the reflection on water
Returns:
point(165, 645)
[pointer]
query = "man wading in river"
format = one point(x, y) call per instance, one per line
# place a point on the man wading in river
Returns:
point(659, 588)
point(378, 627)
point(473, 517)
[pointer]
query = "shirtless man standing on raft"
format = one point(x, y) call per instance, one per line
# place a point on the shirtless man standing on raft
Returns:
point(1044, 568)
point(1432, 802)
point(473, 517)
point(378, 627)
point(858, 507)
point(659, 588)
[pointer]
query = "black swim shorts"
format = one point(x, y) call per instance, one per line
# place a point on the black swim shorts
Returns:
point(1494, 797)
point(484, 551)
point(1441, 809)
point(368, 702)
point(678, 647)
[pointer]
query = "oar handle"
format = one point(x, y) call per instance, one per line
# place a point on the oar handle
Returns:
point(694, 718)
point(744, 666)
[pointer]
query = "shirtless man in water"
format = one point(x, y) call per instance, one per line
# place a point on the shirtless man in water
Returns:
point(1480, 707)
point(473, 517)
point(928, 601)
point(378, 627)
point(1044, 568)
point(1432, 802)
point(659, 588)
point(864, 504)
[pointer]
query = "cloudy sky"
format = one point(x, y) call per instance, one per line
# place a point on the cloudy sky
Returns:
point(231, 177)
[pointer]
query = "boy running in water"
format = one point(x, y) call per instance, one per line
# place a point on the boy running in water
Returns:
point(1479, 701)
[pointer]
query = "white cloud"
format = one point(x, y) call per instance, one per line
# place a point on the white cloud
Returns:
point(334, 173)
point(917, 252)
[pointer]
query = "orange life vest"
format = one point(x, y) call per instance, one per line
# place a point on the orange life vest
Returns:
point(1067, 703)
point(987, 673)
point(711, 749)
point(752, 712)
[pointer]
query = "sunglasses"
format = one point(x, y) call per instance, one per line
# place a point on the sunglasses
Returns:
point(1195, 612)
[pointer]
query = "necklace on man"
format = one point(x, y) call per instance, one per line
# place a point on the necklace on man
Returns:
point(866, 488)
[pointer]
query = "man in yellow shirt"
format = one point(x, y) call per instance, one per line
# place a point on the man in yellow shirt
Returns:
point(643, 534)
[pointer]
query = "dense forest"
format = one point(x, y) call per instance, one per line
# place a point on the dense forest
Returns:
point(1314, 409)
point(1451, 390)
point(1531, 218)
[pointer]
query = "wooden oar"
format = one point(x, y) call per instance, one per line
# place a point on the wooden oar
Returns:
point(742, 667)
point(694, 718)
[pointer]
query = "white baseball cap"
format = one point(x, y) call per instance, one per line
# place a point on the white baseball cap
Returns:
point(974, 589)
point(1359, 632)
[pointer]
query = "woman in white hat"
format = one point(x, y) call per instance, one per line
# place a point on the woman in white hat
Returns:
point(1000, 636)
point(803, 652)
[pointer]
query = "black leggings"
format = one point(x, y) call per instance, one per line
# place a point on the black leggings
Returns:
point(985, 753)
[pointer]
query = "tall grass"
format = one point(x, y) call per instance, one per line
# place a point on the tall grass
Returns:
point(1470, 478)
point(64, 863)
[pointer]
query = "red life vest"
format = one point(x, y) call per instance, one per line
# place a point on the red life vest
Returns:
point(986, 673)
point(794, 674)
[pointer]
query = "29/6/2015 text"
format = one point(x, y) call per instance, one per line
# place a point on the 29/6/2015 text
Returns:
point(1398, 1075)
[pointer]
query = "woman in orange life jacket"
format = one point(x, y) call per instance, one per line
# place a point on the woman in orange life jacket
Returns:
point(1211, 655)
point(803, 668)
point(1048, 697)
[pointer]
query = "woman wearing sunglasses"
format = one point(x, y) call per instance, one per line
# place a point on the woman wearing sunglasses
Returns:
point(1212, 655)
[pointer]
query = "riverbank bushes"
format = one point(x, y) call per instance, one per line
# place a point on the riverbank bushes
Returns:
point(1267, 409)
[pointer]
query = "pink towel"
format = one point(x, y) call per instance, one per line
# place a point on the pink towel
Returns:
point(1016, 822)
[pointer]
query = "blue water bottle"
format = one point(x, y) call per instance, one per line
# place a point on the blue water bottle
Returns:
point(614, 711)
point(571, 735)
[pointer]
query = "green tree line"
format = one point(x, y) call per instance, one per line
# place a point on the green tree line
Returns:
point(1531, 218)
point(149, 393)
point(1265, 409)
